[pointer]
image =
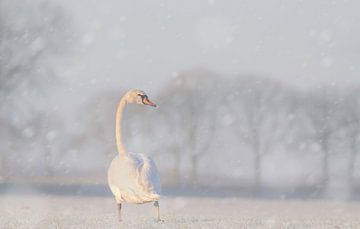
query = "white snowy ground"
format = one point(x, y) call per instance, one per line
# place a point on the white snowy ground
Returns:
point(182, 212)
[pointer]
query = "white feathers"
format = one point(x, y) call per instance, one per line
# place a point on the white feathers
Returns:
point(133, 178)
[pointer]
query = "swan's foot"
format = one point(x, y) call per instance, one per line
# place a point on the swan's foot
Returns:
point(119, 212)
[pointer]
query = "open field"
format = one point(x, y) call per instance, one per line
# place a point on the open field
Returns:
point(31, 211)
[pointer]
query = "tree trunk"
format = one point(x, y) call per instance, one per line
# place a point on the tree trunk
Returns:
point(194, 170)
point(257, 170)
point(325, 167)
point(351, 165)
point(176, 169)
point(4, 163)
point(3, 167)
point(257, 162)
point(48, 169)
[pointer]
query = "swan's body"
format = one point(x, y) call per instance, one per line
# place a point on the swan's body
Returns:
point(133, 177)
point(136, 180)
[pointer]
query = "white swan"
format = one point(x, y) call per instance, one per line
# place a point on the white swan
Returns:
point(133, 177)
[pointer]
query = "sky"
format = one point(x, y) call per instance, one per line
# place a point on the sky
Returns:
point(143, 43)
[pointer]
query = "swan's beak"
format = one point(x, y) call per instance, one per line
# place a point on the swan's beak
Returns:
point(148, 102)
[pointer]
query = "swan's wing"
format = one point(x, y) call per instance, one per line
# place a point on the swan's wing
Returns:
point(148, 178)
point(134, 178)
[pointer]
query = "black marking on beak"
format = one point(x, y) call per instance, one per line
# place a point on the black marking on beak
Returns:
point(143, 97)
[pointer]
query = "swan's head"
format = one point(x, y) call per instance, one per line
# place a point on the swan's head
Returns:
point(138, 97)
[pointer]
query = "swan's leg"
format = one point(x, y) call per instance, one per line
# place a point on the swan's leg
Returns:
point(156, 204)
point(119, 211)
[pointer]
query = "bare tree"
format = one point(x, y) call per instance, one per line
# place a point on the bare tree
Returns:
point(172, 139)
point(96, 123)
point(321, 107)
point(190, 101)
point(259, 109)
point(29, 35)
point(350, 121)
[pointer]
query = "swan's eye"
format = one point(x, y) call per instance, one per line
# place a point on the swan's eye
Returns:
point(143, 97)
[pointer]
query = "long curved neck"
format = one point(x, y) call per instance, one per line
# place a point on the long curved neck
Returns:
point(119, 114)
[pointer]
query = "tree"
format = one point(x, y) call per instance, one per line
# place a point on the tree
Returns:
point(29, 36)
point(259, 107)
point(189, 105)
point(96, 128)
point(321, 106)
point(95, 131)
point(350, 121)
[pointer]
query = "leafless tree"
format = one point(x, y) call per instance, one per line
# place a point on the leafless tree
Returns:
point(96, 125)
point(260, 108)
point(350, 121)
point(171, 135)
point(29, 35)
point(321, 108)
point(189, 104)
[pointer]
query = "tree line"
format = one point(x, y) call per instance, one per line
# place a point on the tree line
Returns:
point(264, 115)
point(209, 128)
point(206, 122)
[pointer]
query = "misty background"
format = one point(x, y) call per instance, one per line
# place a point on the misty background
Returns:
point(259, 97)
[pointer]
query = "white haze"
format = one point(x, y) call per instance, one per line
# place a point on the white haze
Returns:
point(206, 63)
point(258, 124)
point(144, 43)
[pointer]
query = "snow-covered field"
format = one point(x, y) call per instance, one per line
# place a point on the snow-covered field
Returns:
point(177, 212)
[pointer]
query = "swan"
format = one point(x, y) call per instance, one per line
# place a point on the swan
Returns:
point(133, 177)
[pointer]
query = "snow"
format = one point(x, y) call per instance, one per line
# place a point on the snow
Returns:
point(177, 212)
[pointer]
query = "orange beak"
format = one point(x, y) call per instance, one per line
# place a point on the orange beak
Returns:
point(146, 101)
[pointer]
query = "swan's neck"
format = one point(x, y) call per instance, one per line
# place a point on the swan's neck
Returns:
point(119, 115)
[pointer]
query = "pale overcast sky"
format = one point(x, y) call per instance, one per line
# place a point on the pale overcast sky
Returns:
point(144, 43)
